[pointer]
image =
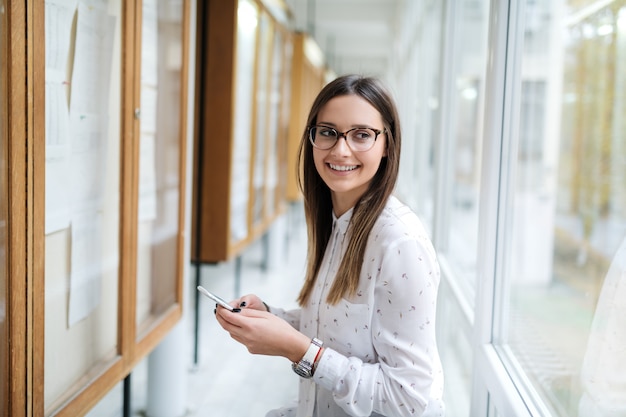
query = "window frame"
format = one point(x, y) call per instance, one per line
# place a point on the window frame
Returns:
point(498, 380)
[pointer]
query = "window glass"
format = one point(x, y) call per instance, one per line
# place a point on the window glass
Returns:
point(159, 159)
point(464, 118)
point(247, 33)
point(262, 95)
point(82, 187)
point(564, 303)
point(457, 206)
point(419, 97)
point(275, 157)
point(428, 119)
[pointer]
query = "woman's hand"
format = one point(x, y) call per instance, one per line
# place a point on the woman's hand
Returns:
point(250, 301)
point(262, 332)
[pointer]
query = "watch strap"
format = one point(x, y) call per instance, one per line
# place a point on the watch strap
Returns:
point(305, 367)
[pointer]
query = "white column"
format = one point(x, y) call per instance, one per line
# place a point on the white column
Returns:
point(167, 375)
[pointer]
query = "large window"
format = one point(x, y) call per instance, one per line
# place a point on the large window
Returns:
point(459, 191)
point(514, 114)
point(462, 128)
point(563, 294)
point(418, 89)
point(440, 88)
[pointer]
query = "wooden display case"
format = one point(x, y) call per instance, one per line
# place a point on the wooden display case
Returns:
point(242, 104)
point(93, 137)
point(309, 76)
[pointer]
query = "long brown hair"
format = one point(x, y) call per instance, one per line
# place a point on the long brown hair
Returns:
point(317, 200)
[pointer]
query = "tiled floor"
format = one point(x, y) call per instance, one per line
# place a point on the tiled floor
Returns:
point(229, 381)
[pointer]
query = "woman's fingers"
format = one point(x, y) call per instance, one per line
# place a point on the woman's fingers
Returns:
point(251, 301)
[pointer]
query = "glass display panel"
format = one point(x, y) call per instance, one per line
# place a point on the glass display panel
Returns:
point(4, 206)
point(262, 97)
point(247, 22)
point(274, 155)
point(564, 301)
point(282, 135)
point(159, 159)
point(465, 118)
point(82, 136)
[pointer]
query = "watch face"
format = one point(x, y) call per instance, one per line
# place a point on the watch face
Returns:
point(302, 368)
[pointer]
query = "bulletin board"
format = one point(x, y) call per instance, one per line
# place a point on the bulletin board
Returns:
point(95, 153)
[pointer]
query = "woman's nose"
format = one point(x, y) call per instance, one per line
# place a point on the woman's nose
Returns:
point(341, 147)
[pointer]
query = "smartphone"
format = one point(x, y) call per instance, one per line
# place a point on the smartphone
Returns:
point(217, 299)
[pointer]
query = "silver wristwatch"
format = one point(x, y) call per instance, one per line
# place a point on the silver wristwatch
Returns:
point(304, 368)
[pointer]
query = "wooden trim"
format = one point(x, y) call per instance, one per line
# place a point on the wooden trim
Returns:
point(220, 77)
point(5, 204)
point(184, 120)
point(89, 390)
point(17, 228)
point(198, 123)
point(129, 150)
point(216, 107)
point(37, 119)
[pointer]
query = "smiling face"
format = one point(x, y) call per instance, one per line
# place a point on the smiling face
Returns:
point(348, 173)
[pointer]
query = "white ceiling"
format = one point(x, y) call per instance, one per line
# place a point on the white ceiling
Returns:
point(355, 35)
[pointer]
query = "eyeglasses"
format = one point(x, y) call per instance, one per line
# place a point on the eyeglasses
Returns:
point(360, 139)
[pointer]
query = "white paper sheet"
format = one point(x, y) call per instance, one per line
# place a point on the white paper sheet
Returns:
point(147, 179)
point(148, 124)
point(58, 23)
point(91, 76)
point(86, 265)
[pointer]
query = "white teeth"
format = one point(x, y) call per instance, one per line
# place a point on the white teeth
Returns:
point(343, 167)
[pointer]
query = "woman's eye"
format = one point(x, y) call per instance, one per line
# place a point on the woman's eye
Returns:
point(326, 132)
point(362, 134)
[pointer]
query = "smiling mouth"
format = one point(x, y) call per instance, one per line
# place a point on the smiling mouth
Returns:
point(343, 167)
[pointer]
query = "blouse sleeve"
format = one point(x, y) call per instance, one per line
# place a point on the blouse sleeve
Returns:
point(403, 333)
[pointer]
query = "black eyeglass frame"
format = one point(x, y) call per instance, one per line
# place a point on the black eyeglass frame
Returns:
point(344, 135)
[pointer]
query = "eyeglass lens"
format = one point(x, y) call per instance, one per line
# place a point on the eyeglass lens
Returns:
point(359, 139)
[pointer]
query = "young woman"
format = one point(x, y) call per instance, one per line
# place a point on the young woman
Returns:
point(363, 340)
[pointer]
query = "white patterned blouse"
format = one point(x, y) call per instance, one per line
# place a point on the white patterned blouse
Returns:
point(380, 356)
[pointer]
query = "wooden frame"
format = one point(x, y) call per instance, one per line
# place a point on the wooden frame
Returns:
point(4, 207)
point(26, 159)
point(19, 234)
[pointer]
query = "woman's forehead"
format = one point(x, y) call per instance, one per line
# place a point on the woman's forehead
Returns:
point(349, 109)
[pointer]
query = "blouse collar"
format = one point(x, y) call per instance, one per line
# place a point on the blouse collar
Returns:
point(343, 221)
